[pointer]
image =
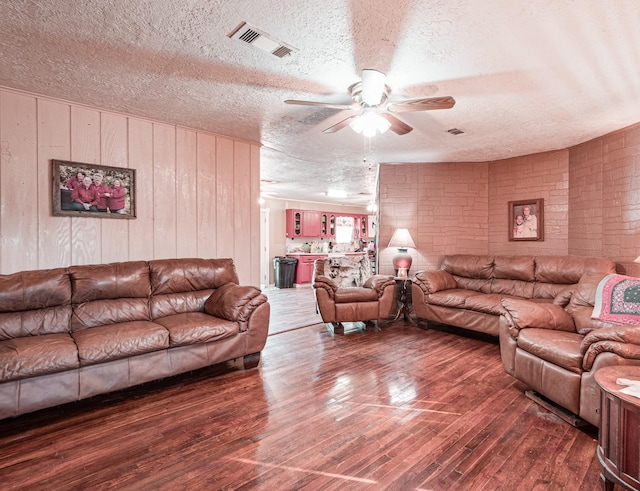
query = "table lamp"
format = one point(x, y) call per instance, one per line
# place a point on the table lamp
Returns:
point(402, 260)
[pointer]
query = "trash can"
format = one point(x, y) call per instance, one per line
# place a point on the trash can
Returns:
point(284, 271)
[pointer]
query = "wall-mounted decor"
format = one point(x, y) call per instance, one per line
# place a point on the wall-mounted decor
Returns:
point(91, 190)
point(526, 219)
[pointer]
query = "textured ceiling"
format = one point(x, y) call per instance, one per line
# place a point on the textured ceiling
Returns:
point(527, 76)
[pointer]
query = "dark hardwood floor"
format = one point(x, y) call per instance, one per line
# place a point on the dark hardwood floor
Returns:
point(401, 408)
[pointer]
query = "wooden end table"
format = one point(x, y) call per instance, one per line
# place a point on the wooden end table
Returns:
point(618, 441)
point(403, 300)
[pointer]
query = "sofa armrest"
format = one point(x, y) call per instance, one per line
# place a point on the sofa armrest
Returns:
point(592, 349)
point(629, 335)
point(234, 302)
point(326, 283)
point(523, 314)
point(379, 282)
point(434, 281)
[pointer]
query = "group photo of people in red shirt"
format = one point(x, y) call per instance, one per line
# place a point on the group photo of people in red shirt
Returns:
point(94, 190)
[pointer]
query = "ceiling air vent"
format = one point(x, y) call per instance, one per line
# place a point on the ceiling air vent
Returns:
point(255, 37)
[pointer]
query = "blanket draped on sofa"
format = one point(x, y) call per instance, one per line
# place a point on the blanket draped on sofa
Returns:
point(618, 300)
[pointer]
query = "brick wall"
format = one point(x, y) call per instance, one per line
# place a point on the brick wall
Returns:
point(591, 196)
point(444, 206)
point(604, 198)
point(530, 177)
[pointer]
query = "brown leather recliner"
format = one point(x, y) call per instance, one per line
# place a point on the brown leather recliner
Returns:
point(346, 291)
point(556, 349)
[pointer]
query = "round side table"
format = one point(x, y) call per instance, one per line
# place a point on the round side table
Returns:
point(618, 439)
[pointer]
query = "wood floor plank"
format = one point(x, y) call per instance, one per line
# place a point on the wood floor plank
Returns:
point(401, 408)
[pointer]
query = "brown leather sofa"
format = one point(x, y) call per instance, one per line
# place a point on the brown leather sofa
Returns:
point(556, 349)
point(71, 333)
point(347, 291)
point(467, 289)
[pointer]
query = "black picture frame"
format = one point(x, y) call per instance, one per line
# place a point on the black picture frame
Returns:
point(522, 228)
point(62, 172)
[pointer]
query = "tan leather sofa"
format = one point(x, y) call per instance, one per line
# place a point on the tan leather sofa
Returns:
point(347, 291)
point(556, 349)
point(467, 289)
point(71, 333)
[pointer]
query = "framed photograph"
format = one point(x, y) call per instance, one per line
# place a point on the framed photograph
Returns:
point(90, 190)
point(526, 219)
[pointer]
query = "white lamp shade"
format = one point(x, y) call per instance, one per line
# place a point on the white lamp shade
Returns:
point(401, 238)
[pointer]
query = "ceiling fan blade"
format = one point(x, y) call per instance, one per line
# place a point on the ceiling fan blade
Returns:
point(319, 104)
point(397, 126)
point(373, 86)
point(341, 124)
point(424, 104)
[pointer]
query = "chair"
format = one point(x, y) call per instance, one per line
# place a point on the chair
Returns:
point(346, 290)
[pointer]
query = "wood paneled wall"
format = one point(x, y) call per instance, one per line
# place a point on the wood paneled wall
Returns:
point(197, 193)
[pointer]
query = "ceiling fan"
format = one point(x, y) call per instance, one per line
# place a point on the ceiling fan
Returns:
point(371, 101)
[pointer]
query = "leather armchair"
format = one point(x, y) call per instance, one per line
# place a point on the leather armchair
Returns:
point(346, 291)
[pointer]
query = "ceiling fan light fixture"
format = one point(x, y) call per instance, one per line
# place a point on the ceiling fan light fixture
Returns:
point(369, 122)
point(373, 87)
point(336, 193)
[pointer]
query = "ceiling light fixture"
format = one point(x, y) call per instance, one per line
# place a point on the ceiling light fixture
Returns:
point(369, 122)
point(336, 193)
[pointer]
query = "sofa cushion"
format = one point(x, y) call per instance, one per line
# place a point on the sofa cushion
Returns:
point(110, 281)
point(563, 297)
point(34, 303)
point(37, 355)
point(450, 298)
point(112, 311)
point(111, 342)
point(514, 268)
point(187, 275)
point(580, 306)
point(569, 269)
point(178, 303)
point(561, 348)
point(469, 266)
point(196, 327)
point(355, 294)
point(50, 320)
point(31, 290)
point(489, 303)
point(514, 288)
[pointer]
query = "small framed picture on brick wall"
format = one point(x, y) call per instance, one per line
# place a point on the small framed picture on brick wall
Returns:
point(526, 219)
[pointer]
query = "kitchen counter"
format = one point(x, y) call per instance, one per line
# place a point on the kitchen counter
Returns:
point(304, 266)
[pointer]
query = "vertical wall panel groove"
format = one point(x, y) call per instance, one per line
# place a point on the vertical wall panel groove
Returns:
point(225, 229)
point(86, 233)
point(54, 142)
point(115, 233)
point(19, 177)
